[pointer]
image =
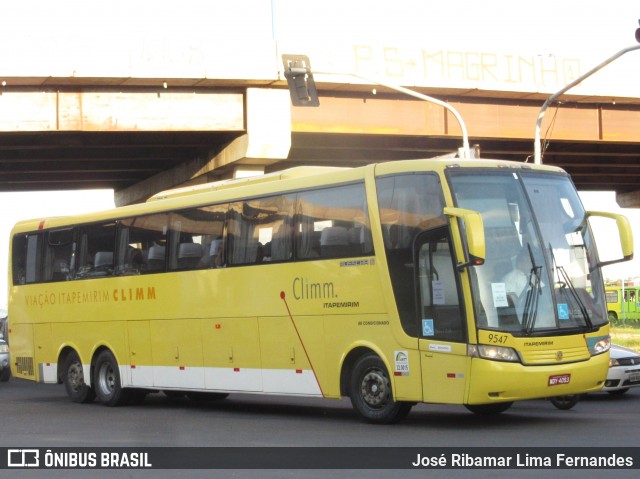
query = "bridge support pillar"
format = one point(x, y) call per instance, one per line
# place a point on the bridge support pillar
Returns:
point(267, 140)
point(628, 200)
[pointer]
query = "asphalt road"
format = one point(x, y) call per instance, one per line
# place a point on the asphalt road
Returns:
point(37, 415)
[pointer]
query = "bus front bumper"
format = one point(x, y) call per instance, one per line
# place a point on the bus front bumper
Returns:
point(495, 381)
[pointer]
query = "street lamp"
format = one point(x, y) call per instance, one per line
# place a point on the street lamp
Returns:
point(302, 87)
point(537, 146)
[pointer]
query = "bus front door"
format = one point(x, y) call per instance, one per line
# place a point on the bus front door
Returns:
point(441, 329)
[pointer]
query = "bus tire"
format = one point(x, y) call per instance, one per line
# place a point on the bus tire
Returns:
point(106, 380)
point(489, 409)
point(566, 402)
point(613, 317)
point(73, 379)
point(371, 394)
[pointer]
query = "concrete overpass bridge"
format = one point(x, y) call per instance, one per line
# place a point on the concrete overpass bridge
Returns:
point(139, 140)
point(155, 113)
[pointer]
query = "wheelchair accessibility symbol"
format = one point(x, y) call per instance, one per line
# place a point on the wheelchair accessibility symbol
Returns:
point(427, 327)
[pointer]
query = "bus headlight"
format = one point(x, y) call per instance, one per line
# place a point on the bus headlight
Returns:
point(599, 345)
point(494, 353)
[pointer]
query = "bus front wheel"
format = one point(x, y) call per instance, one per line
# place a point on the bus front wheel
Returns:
point(73, 379)
point(107, 383)
point(565, 402)
point(371, 394)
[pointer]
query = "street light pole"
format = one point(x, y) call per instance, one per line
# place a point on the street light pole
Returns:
point(537, 154)
point(303, 92)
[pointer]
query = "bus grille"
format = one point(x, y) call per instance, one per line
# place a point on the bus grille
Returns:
point(555, 356)
point(24, 365)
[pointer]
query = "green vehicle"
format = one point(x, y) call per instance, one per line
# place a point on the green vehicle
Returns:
point(623, 303)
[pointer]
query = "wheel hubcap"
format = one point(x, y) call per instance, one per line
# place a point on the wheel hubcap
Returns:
point(75, 376)
point(375, 388)
point(106, 379)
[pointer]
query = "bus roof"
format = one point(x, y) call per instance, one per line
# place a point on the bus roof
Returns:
point(295, 172)
point(296, 178)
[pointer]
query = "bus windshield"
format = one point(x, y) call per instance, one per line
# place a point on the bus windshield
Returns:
point(540, 275)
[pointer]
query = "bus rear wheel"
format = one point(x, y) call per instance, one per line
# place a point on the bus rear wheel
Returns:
point(371, 393)
point(73, 379)
point(107, 383)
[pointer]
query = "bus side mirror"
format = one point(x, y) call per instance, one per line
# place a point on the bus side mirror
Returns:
point(474, 229)
point(624, 232)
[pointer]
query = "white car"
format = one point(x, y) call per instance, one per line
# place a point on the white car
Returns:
point(5, 369)
point(624, 370)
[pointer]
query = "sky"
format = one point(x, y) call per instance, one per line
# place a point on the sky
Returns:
point(584, 27)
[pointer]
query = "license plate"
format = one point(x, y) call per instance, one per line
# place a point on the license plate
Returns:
point(634, 377)
point(559, 379)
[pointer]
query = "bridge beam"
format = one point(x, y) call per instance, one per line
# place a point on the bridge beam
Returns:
point(489, 118)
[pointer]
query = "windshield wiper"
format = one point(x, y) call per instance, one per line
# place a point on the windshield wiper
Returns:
point(568, 284)
point(530, 313)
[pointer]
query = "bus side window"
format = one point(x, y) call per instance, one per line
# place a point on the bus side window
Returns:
point(259, 230)
point(193, 236)
point(96, 247)
point(333, 223)
point(58, 255)
point(141, 244)
point(27, 251)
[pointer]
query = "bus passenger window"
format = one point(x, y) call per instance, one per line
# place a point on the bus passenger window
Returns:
point(195, 232)
point(58, 254)
point(141, 244)
point(27, 261)
point(259, 230)
point(96, 244)
point(333, 223)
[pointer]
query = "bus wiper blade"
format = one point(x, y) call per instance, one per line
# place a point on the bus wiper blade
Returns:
point(530, 312)
point(569, 285)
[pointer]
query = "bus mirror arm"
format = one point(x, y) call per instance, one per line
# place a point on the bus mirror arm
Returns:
point(475, 240)
point(624, 231)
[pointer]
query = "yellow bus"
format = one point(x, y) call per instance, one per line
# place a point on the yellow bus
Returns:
point(388, 284)
point(623, 303)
